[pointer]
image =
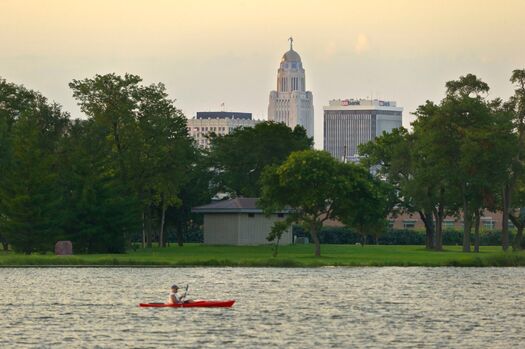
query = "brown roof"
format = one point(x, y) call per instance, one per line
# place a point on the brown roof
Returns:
point(239, 204)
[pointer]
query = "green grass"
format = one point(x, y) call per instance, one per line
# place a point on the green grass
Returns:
point(289, 256)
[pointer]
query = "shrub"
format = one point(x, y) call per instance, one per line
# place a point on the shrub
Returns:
point(343, 235)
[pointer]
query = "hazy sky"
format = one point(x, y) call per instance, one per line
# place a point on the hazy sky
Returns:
point(209, 52)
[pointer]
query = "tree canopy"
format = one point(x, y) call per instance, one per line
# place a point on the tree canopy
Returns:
point(457, 161)
point(240, 157)
point(316, 188)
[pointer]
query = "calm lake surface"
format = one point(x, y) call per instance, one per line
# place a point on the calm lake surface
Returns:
point(276, 308)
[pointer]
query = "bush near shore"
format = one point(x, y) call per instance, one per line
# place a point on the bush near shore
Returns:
point(345, 235)
point(289, 256)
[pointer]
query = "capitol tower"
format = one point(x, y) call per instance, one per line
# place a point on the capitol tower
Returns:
point(291, 103)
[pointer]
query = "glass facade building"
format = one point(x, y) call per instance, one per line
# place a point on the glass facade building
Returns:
point(349, 123)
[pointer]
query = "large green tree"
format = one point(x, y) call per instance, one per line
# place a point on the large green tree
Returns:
point(240, 157)
point(398, 158)
point(102, 213)
point(476, 151)
point(316, 187)
point(195, 193)
point(454, 162)
point(148, 138)
point(514, 188)
point(31, 208)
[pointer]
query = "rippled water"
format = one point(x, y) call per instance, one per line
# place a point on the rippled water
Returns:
point(276, 308)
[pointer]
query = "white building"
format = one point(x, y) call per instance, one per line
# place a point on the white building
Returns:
point(350, 122)
point(291, 103)
point(221, 123)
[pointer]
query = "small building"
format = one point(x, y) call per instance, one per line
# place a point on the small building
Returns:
point(239, 222)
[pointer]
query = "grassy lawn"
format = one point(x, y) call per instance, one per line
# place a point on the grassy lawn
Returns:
point(289, 256)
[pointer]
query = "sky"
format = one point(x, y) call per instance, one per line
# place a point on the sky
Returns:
point(209, 52)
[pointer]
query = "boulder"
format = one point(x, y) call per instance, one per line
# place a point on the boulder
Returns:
point(64, 248)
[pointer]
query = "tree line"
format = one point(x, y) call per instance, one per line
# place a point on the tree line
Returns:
point(465, 155)
point(129, 171)
point(126, 170)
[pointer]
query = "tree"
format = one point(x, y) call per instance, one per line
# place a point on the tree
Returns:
point(468, 166)
point(102, 213)
point(460, 175)
point(14, 100)
point(111, 100)
point(482, 139)
point(30, 199)
point(371, 205)
point(277, 231)
point(513, 190)
point(398, 159)
point(169, 150)
point(148, 138)
point(196, 192)
point(240, 157)
point(316, 188)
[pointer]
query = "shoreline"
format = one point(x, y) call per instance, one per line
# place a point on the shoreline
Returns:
point(292, 256)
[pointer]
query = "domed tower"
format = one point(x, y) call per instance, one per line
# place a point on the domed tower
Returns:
point(291, 103)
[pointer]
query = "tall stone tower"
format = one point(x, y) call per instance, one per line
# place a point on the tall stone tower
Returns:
point(291, 103)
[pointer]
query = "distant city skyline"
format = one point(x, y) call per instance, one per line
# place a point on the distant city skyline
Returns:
point(213, 52)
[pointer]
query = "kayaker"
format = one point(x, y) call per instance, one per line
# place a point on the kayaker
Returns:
point(175, 298)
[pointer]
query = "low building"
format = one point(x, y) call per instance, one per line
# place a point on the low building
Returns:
point(221, 123)
point(239, 222)
point(489, 221)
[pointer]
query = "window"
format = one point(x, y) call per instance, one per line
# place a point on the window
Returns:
point(251, 215)
point(280, 215)
point(488, 223)
point(448, 224)
point(409, 224)
point(391, 224)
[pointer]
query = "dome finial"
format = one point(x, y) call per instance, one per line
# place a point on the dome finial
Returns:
point(291, 42)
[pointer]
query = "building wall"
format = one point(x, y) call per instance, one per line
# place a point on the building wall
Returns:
point(386, 123)
point(489, 221)
point(346, 128)
point(200, 128)
point(349, 123)
point(240, 229)
point(292, 108)
point(254, 229)
point(221, 228)
point(291, 104)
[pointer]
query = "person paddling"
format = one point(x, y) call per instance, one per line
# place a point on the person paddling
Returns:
point(176, 298)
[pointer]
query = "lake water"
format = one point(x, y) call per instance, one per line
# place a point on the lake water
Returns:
point(276, 308)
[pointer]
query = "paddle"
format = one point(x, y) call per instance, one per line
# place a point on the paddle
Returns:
point(185, 292)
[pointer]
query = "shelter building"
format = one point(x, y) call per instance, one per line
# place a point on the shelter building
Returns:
point(239, 222)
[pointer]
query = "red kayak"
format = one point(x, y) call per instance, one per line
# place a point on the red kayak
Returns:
point(202, 304)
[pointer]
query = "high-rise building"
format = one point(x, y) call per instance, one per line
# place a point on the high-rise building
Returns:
point(221, 123)
point(291, 103)
point(350, 122)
